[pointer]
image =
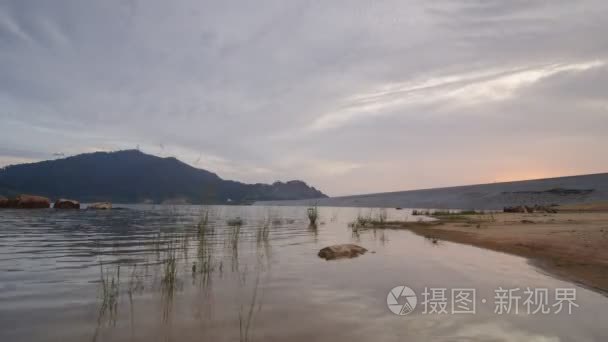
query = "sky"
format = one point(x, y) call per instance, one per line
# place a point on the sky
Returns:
point(349, 96)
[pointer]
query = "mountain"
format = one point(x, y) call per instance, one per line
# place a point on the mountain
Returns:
point(131, 176)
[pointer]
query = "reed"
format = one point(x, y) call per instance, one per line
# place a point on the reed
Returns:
point(169, 279)
point(313, 215)
point(361, 221)
point(110, 292)
point(263, 232)
point(381, 216)
point(234, 236)
point(246, 318)
point(204, 258)
point(135, 285)
point(203, 221)
point(235, 222)
point(232, 241)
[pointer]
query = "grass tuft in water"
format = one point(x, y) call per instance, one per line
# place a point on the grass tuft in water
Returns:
point(110, 286)
point(203, 221)
point(136, 285)
point(313, 215)
point(246, 317)
point(232, 241)
point(109, 297)
point(381, 216)
point(234, 222)
point(361, 221)
point(169, 279)
point(204, 260)
point(262, 233)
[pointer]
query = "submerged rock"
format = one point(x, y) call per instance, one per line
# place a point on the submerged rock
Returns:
point(28, 202)
point(100, 206)
point(66, 204)
point(341, 251)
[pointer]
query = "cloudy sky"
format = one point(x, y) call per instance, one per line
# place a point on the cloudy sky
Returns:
point(350, 96)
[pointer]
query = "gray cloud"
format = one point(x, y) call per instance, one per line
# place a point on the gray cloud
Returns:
point(352, 96)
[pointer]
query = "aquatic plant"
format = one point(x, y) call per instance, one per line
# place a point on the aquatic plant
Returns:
point(232, 241)
point(203, 248)
point(263, 232)
point(169, 279)
point(381, 217)
point(433, 239)
point(170, 264)
point(233, 222)
point(263, 245)
point(361, 221)
point(245, 321)
point(204, 257)
point(492, 218)
point(313, 215)
point(234, 236)
point(203, 221)
point(185, 240)
point(383, 238)
point(417, 212)
point(136, 281)
point(110, 286)
point(135, 285)
point(156, 241)
point(334, 215)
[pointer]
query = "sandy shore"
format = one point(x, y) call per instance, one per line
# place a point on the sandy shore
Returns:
point(572, 245)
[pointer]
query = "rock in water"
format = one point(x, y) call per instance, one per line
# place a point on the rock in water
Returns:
point(66, 204)
point(29, 202)
point(341, 251)
point(100, 206)
point(3, 202)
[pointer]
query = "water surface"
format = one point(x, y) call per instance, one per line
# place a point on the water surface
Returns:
point(165, 273)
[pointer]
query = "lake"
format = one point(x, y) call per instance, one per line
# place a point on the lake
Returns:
point(251, 273)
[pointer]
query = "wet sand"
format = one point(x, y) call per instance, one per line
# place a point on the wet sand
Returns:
point(571, 244)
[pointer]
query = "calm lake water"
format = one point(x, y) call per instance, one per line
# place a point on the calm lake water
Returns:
point(164, 273)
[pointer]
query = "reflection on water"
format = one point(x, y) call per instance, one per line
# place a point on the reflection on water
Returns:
point(191, 273)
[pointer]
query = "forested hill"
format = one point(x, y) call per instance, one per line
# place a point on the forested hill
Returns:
point(131, 176)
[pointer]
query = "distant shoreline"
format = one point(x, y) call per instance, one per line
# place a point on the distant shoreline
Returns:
point(493, 196)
